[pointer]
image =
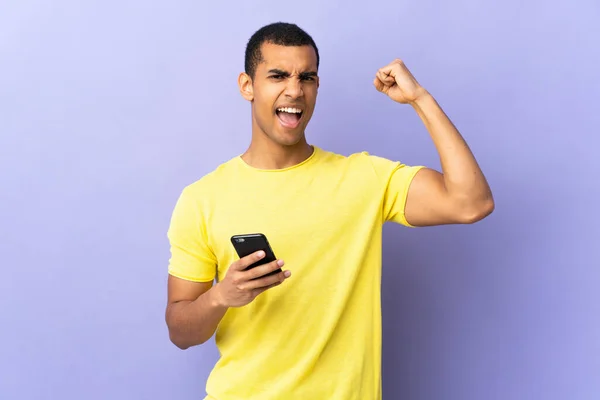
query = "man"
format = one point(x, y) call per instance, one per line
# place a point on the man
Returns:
point(316, 333)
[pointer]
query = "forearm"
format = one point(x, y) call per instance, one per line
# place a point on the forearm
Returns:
point(463, 177)
point(194, 322)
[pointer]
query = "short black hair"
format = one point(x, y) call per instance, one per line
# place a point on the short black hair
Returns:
point(279, 33)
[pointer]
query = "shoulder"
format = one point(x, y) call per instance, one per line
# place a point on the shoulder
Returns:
point(211, 181)
point(332, 158)
point(361, 162)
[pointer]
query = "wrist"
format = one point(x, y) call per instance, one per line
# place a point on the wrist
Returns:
point(422, 98)
point(214, 297)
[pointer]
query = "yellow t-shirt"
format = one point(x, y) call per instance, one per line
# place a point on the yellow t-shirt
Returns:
point(318, 335)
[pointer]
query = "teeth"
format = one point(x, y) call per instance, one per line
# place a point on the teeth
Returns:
point(290, 110)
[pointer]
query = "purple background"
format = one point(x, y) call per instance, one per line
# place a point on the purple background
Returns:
point(107, 109)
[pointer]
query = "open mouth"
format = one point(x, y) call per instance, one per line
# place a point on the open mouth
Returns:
point(289, 117)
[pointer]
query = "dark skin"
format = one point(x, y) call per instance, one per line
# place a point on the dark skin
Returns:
point(287, 77)
point(194, 309)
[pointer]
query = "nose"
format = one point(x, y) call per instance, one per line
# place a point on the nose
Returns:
point(293, 88)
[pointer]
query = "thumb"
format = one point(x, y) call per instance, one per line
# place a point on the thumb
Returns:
point(250, 259)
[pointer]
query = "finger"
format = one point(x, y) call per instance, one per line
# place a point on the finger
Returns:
point(378, 84)
point(250, 259)
point(267, 281)
point(386, 77)
point(258, 291)
point(264, 269)
point(386, 69)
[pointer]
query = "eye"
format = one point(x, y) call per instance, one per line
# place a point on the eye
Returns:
point(276, 77)
point(308, 77)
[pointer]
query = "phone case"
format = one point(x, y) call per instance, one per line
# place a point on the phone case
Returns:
point(247, 244)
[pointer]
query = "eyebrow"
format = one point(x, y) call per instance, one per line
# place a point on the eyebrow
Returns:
point(287, 74)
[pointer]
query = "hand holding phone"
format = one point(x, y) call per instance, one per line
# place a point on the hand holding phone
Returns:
point(255, 272)
point(249, 243)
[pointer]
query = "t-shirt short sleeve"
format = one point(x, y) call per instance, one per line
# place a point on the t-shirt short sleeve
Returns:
point(191, 257)
point(396, 179)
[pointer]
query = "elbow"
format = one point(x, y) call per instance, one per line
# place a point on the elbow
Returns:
point(477, 212)
point(183, 340)
point(178, 342)
point(181, 345)
point(175, 335)
point(176, 327)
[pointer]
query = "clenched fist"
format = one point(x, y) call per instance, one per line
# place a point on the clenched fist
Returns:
point(398, 83)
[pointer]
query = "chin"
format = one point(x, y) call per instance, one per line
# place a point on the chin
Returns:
point(286, 137)
point(287, 140)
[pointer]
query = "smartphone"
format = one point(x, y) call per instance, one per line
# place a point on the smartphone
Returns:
point(249, 243)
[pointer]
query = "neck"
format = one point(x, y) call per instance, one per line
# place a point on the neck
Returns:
point(269, 155)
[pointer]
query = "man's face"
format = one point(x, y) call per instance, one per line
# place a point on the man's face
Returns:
point(283, 92)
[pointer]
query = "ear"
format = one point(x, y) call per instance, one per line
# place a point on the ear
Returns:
point(245, 84)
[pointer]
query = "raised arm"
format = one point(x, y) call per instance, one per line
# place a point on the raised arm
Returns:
point(459, 194)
